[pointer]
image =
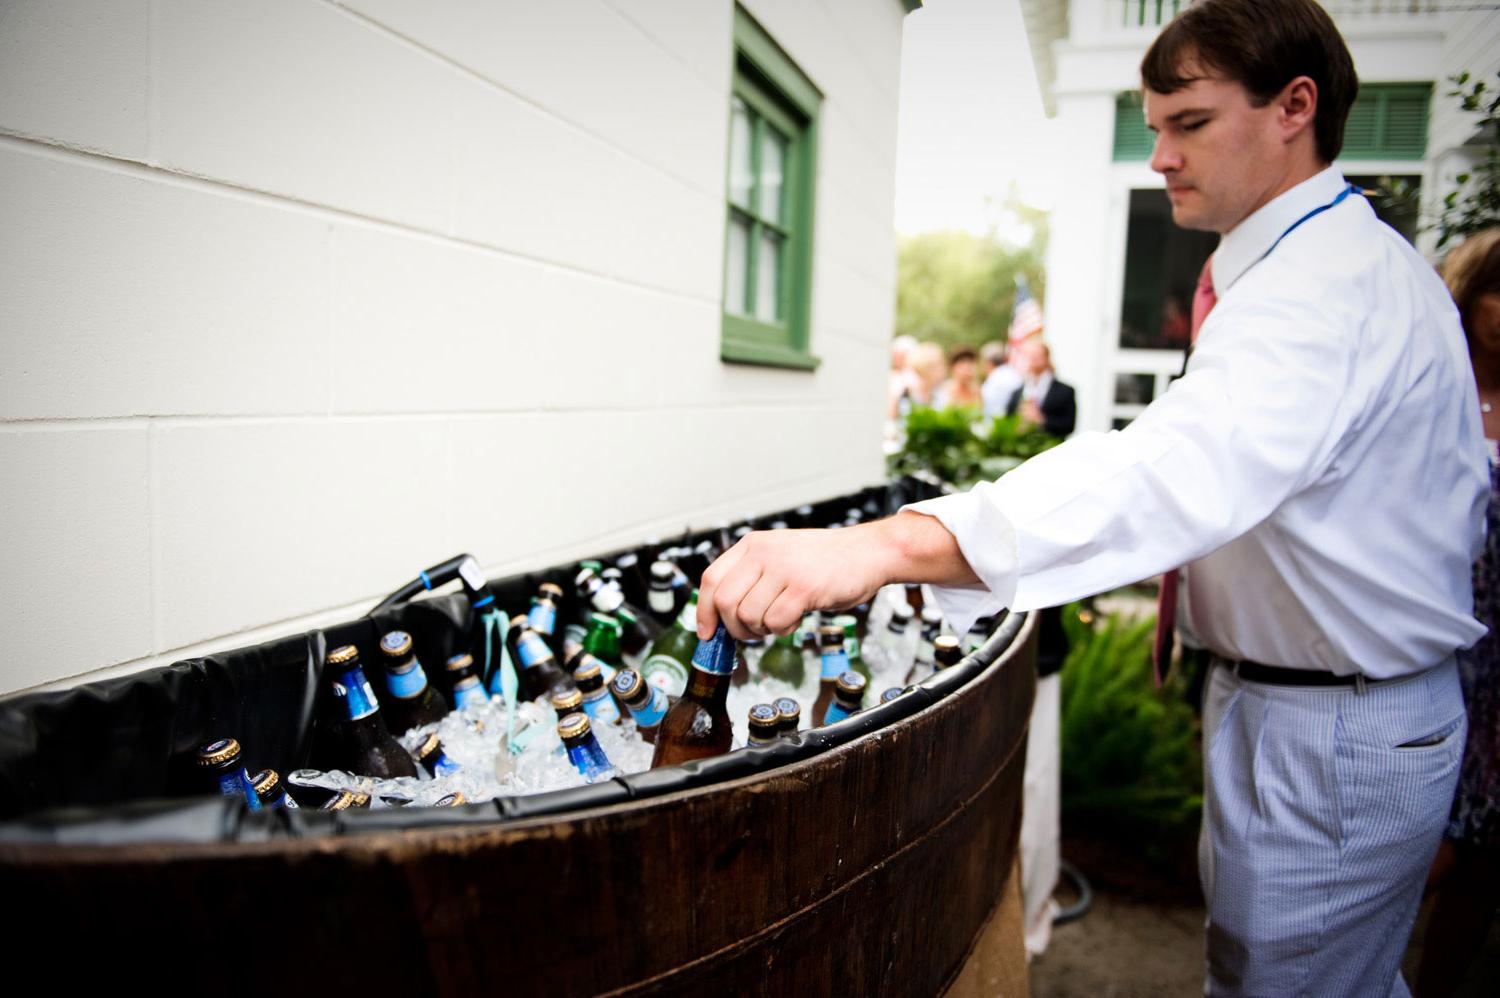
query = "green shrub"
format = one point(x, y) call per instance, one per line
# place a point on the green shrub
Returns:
point(1131, 766)
point(958, 447)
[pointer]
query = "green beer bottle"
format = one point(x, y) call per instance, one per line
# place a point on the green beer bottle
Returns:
point(850, 624)
point(784, 660)
point(668, 662)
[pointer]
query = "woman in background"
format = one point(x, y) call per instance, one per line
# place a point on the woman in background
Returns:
point(961, 390)
point(1466, 874)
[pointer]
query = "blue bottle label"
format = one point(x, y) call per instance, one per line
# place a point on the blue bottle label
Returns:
point(406, 683)
point(469, 691)
point(716, 656)
point(533, 649)
point(356, 693)
point(835, 663)
point(287, 801)
point(600, 707)
point(542, 617)
point(655, 709)
point(445, 766)
point(835, 713)
point(590, 760)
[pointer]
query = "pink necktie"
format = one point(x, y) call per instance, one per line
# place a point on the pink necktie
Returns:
point(1166, 600)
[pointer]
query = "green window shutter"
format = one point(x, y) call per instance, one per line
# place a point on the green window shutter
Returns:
point(1388, 121)
point(1133, 140)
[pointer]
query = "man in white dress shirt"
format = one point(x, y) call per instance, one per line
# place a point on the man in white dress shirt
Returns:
point(1321, 470)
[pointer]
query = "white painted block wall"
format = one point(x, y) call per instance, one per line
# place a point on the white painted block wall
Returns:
point(297, 297)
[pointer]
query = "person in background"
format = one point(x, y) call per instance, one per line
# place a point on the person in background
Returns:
point(903, 381)
point(1042, 400)
point(961, 390)
point(930, 368)
point(1466, 873)
point(1001, 379)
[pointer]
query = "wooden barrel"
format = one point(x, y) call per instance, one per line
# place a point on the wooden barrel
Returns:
point(871, 868)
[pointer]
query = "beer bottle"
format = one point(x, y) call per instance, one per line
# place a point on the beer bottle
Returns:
point(540, 674)
point(270, 791)
point(224, 762)
point(463, 681)
point(595, 697)
point(891, 694)
point(852, 643)
point(637, 629)
point(788, 715)
point(896, 649)
point(647, 704)
point(583, 748)
point(542, 616)
point(412, 701)
point(346, 800)
point(848, 694)
point(835, 662)
point(922, 663)
point(946, 652)
point(603, 638)
point(434, 759)
point(807, 633)
point(784, 661)
point(765, 725)
point(632, 579)
point(698, 726)
point(454, 799)
point(662, 598)
point(914, 598)
point(670, 659)
point(372, 749)
point(566, 702)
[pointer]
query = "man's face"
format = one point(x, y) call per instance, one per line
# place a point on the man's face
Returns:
point(1221, 156)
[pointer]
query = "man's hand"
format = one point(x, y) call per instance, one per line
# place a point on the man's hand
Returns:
point(1031, 412)
point(765, 583)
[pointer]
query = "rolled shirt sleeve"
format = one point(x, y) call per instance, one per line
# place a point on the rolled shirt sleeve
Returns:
point(1269, 394)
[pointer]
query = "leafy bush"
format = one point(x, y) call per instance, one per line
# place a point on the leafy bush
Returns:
point(955, 445)
point(1131, 766)
point(1475, 203)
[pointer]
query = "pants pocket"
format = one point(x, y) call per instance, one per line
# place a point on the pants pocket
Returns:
point(1433, 740)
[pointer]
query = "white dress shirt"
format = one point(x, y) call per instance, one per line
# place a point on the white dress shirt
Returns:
point(1320, 469)
point(998, 388)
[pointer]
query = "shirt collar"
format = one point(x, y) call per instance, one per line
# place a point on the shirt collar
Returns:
point(1246, 243)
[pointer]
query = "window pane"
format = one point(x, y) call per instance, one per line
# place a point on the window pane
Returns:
point(740, 175)
point(772, 168)
point(1162, 263)
point(1135, 389)
point(768, 278)
point(736, 265)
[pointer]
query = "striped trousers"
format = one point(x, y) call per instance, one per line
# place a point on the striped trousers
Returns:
point(1322, 810)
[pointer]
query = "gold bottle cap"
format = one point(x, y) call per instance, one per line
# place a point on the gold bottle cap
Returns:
point(763, 715)
point(265, 781)
point(628, 684)
point(573, 727)
point(430, 744)
point(458, 663)
point(851, 684)
point(396, 644)
point(343, 654)
point(452, 800)
point(788, 708)
point(566, 703)
point(219, 752)
point(587, 672)
point(518, 621)
point(946, 651)
point(550, 589)
point(831, 633)
point(342, 801)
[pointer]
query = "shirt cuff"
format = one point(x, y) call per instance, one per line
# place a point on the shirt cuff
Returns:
point(987, 540)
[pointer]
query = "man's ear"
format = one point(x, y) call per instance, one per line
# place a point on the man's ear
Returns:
point(1297, 107)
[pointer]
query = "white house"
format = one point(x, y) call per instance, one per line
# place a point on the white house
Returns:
point(1117, 269)
point(300, 296)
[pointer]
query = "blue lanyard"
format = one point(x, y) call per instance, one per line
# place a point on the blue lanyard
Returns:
point(1350, 189)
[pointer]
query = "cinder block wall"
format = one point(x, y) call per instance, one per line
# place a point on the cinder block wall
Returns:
point(297, 297)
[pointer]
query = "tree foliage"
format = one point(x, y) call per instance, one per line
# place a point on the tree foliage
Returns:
point(956, 287)
point(1474, 203)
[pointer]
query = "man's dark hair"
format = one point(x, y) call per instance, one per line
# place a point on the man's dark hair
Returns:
point(962, 353)
point(1263, 45)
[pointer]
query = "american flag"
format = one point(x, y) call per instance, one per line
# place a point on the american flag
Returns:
point(1026, 318)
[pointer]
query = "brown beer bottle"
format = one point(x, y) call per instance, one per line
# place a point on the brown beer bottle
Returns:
point(946, 652)
point(697, 726)
point(788, 715)
point(835, 664)
point(765, 725)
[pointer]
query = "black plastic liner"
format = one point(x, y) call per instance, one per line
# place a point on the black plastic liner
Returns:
point(112, 762)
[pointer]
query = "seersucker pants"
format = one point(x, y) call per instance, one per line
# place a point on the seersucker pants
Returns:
point(1322, 810)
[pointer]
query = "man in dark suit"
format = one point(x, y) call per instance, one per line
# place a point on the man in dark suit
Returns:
point(1042, 399)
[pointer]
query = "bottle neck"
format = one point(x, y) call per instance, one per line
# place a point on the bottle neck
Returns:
point(708, 687)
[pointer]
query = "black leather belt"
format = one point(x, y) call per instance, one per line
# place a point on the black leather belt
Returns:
point(1258, 673)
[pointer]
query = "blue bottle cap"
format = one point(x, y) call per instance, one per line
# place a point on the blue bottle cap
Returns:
point(716, 655)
